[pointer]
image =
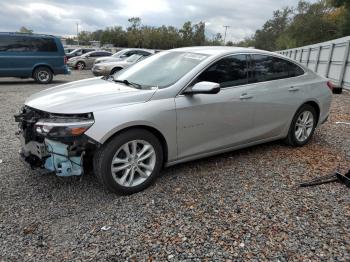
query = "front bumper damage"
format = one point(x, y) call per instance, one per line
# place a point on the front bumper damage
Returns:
point(64, 156)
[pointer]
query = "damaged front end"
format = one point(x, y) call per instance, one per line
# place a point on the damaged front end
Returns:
point(55, 141)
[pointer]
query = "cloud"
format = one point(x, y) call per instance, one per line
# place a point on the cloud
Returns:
point(61, 16)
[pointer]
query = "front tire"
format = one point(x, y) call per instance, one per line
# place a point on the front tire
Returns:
point(129, 162)
point(302, 127)
point(42, 75)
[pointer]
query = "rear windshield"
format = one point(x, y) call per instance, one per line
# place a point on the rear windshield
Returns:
point(17, 43)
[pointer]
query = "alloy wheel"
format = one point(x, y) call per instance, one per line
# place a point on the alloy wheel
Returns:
point(80, 66)
point(304, 126)
point(133, 163)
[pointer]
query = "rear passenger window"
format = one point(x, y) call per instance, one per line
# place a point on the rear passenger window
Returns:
point(44, 45)
point(105, 54)
point(143, 53)
point(229, 71)
point(27, 44)
point(130, 53)
point(267, 68)
point(295, 70)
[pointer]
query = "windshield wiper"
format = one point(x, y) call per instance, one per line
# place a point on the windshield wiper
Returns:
point(128, 83)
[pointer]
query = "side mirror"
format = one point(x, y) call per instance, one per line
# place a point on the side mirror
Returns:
point(203, 88)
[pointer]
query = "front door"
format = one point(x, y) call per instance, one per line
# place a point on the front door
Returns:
point(209, 122)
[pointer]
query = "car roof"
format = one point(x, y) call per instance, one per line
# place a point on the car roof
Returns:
point(220, 50)
point(27, 34)
point(138, 49)
point(95, 51)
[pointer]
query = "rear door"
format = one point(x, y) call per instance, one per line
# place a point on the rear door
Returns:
point(93, 56)
point(207, 122)
point(276, 94)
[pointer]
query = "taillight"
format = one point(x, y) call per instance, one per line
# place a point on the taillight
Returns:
point(330, 85)
point(65, 60)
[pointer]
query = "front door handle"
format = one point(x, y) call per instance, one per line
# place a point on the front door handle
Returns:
point(245, 96)
point(293, 89)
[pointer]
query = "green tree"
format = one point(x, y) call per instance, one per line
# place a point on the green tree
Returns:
point(186, 33)
point(266, 37)
point(199, 34)
point(134, 34)
point(84, 37)
point(70, 41)
point(311, 24)
point(344, 15)
point(23, 29)
point(114, 35)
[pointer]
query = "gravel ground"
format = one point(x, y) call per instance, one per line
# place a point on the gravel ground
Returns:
point(243, 205)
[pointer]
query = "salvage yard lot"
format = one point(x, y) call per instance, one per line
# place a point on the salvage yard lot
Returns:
point(242, 205)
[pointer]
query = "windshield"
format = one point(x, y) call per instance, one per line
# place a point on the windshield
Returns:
point(133, 58)
point(162, 69)
point(74, 51)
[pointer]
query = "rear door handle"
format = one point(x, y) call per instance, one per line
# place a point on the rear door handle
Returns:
point(245, 96)
point(293, 89)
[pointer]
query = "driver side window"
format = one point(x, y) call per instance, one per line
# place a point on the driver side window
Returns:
point(229, 71)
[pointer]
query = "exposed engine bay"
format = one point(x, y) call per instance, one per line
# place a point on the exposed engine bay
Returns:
point(55, 142)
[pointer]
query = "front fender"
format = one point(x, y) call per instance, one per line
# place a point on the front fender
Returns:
point(156, 114)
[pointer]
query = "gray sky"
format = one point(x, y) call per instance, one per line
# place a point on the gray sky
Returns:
point(60, 16)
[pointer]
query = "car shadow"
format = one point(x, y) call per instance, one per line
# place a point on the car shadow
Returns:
point(91, 188)
point(207, 162)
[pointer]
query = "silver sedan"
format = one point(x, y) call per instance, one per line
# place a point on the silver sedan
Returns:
point(175, 106)
point(110, 68)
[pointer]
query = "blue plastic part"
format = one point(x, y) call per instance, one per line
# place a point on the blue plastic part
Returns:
point(59, 161)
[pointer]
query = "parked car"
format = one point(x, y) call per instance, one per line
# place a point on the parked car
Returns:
point(31, 55)
point(79, 52)
point(67, 50)
point(123, 54)
point(110, 68)
point(175, 106)
point(87, 60)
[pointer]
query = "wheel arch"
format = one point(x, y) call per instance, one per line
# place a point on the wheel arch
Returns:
point(316, 106)
point(150, 129)
point(117, 67)
point(42, 65)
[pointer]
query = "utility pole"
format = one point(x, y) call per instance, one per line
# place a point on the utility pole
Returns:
point(78, 33)
point(226, 26)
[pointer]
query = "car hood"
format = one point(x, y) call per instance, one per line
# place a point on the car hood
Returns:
point(86, 96)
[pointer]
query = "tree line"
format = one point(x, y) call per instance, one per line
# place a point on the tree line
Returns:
point(138, 35)
point(307, 23)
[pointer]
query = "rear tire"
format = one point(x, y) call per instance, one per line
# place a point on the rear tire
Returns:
point(43, 75)
point(302, 127)
point(129, 162)
point(80, 66)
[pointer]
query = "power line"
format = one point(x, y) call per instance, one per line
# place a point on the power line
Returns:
point(226, 26)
